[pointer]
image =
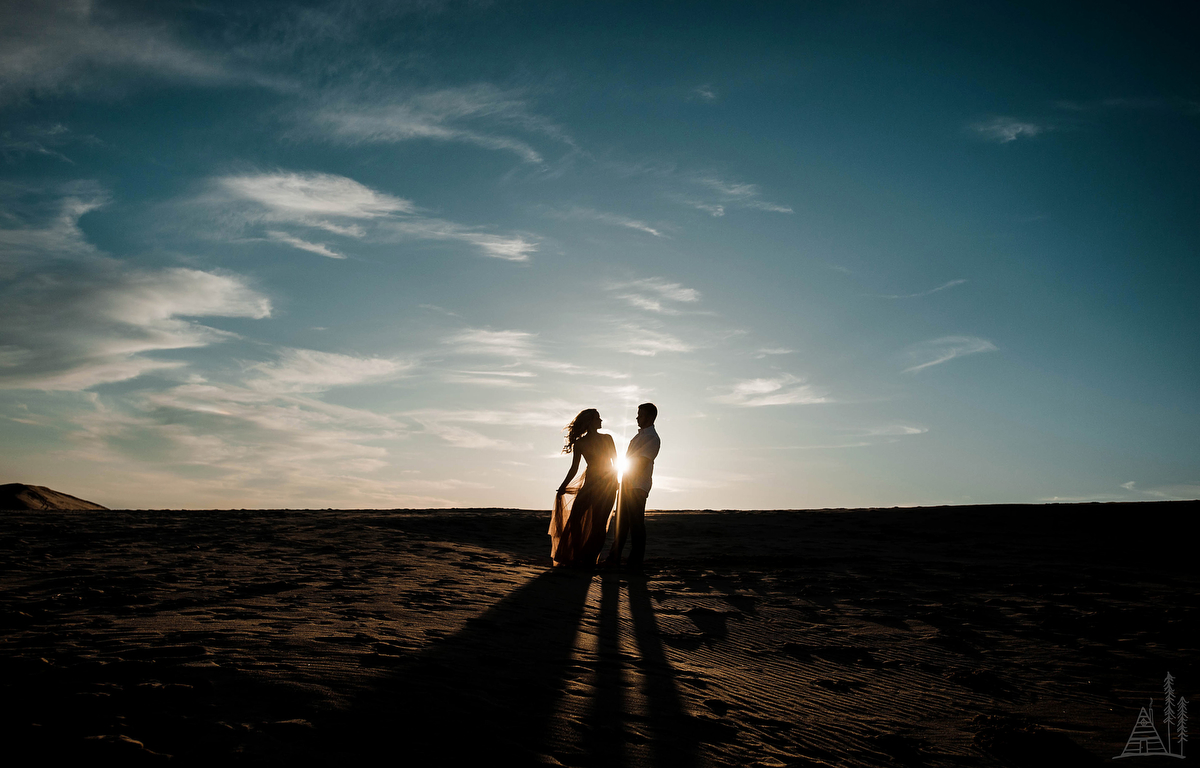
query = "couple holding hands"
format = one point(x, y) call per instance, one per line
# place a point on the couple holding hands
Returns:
point(582, 508)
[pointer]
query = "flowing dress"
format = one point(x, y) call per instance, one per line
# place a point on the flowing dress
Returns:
point(581, 513)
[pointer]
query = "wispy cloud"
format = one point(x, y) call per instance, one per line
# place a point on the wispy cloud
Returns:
point(769, 351)
point(481, 341)
point(1177, 491)
point(732, 190)
point(941, 287)
point(895, 430)
point(938, 351)
point(464, 437)
point(614, 219)
point(41, 140)
point(733, 195)
point(859, 438)
point(712, 209)
point(556, 413)
point(655, 294)
point(346, 208)
point(705, 92)
point(1006, 129)
point(482, 115)
point(629, 393)
point(779, 390)
point(514, 353)
point(75, 319)
point(46, 48)
point(311, 197)
point(676, 484)
point(644, 342)
point(463, 428)
point(559, 366)
point(50, 230)
point(93, 325)
point(307, 370)
point(503, 379)
point(248, 437)
point(439, 310)
point(508, 248)
point(822, 446)
point(304, 245)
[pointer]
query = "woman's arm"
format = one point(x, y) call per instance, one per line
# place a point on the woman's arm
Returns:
point(570, 473)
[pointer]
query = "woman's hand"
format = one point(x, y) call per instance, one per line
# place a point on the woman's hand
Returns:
point(570, 474)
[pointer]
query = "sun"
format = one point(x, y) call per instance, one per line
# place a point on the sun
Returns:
point(622, 466)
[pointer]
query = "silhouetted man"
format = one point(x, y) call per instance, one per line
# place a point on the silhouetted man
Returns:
point(635, 487)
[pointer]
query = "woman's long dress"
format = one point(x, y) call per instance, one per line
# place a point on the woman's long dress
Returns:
point(581, 513)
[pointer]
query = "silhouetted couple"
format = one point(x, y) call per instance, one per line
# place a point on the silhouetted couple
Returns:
point(582, 507)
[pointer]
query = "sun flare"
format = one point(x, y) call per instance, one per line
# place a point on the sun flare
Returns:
point(622, 466)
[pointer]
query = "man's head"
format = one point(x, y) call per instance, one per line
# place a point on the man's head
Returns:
point(647, 413)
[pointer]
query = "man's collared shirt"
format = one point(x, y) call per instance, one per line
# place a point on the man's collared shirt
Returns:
point(643, 449)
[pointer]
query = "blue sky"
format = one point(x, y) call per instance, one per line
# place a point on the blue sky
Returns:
point(377, 255)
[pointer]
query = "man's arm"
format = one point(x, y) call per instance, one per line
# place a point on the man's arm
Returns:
point(641, 454)
point(646, 448)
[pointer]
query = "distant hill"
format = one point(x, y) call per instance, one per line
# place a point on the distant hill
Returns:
point(21, 496)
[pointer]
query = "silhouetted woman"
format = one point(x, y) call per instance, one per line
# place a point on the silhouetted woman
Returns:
point(581, 508)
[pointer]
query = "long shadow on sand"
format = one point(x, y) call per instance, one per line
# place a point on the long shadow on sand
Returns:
point(639, 721)
point(604, 737)
point(675, 732)
point(485, 693)
point(492, 690)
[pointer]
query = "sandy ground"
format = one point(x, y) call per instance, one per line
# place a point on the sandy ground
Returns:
point(968, 636)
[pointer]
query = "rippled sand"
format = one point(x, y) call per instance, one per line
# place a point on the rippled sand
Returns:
point(939, 637)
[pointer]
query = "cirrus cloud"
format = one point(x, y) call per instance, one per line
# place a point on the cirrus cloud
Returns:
point(778, 390)
point(938, 351)
point(655, 294)
point(72, 318)
point(78, 328)
point(1007, 129)
point(342, 207)
point(482, 115)
point(307, 370)
point(48, 48)
point(297, 197)
point(737, 195)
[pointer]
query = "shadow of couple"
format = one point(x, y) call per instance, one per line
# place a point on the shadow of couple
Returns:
point(520, 684)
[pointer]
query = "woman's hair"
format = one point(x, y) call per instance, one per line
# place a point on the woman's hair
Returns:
point(579, 427)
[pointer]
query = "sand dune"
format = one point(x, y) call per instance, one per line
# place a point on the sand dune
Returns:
point(926, 637)
point(22, 496)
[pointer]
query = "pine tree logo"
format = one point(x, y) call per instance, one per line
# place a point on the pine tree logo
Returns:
point(1144, 740)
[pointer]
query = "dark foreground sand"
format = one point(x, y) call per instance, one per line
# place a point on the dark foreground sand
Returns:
point(968, 636)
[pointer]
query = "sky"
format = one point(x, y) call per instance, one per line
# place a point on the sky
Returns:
point(378, 255)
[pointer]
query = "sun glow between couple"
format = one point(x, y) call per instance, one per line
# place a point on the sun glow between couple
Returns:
point(622, 465)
